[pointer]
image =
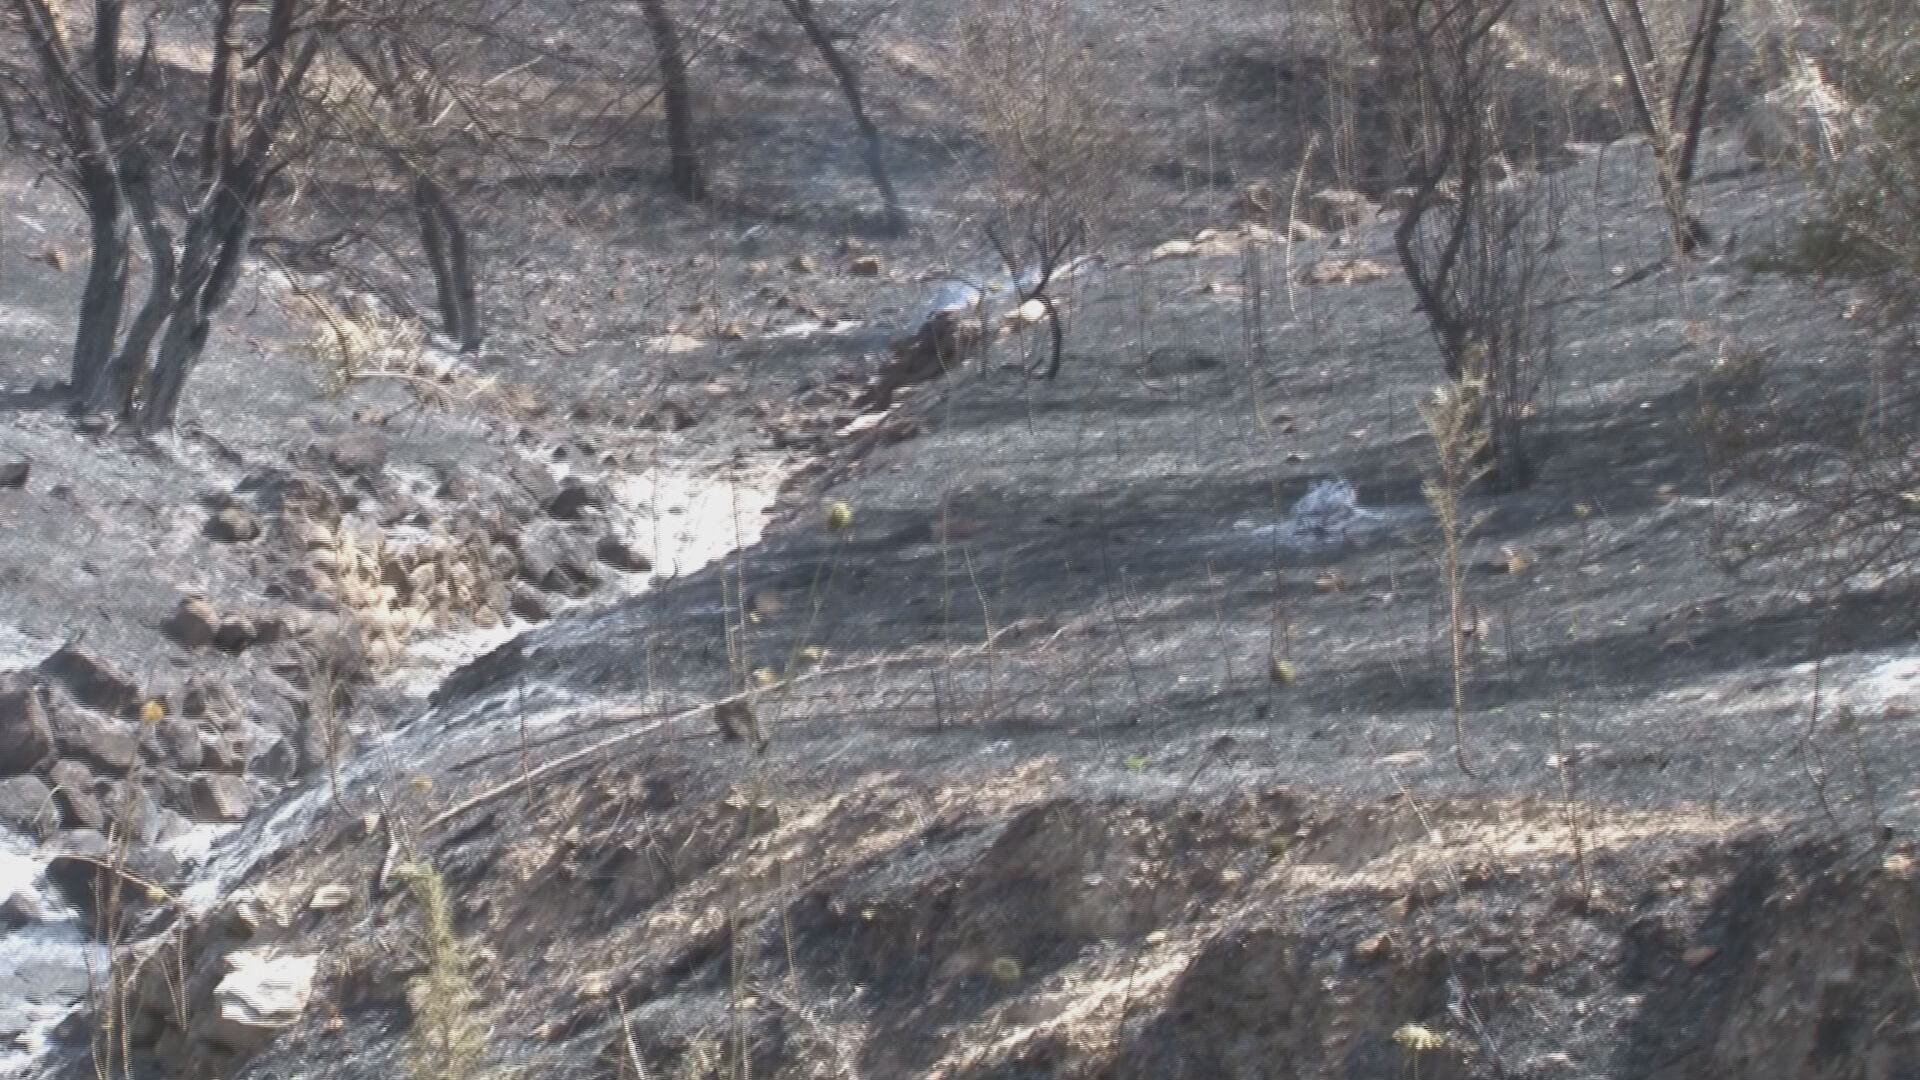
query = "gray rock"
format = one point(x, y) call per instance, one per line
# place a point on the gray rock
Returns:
point(221, 797)
point(93, 682)
point(235, 634)
point(529, 605)
point(175, 741)
point(73, 792)
point(14, 471)
point(536, 481)
point(576, 497)
point(113, 745)
point(357, 453)
point(225, 751)
point(618, 553)
point(233, 526)
point(22, 909)
point(87, 863)
point(26, 740)
point(26, 804)
point(260, 995)
point(193, 624)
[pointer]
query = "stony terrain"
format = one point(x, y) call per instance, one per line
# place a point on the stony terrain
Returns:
point(1087, 727)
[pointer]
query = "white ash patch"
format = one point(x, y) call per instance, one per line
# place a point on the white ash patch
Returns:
point(19, 650)
point(1328, 515)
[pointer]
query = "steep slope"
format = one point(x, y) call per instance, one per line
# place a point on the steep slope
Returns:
point(1036, 800)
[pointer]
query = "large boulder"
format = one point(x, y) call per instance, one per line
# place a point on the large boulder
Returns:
point(261, 995)
point(111, 745)
point(86, 865)
point(26, 739)
point(93, 682)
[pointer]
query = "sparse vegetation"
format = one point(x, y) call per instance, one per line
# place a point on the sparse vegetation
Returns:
point(1472, 244)
point(450, 1040)
point(1830, 487)
point(1454, 423)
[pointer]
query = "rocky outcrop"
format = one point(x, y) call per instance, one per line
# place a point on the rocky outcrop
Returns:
point(232, 986)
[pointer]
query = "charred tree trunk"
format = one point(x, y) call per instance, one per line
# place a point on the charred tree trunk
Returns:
point(103, 298)
point(118, 390)
point(113, 163)
point(1673, 132)
point(398, 80)
point(433, 243)
point(843, 73)
point(443, 237)
point(684, 169)
point(215, 246)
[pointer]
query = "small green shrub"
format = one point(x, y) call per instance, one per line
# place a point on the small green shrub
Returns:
point(449, 1038)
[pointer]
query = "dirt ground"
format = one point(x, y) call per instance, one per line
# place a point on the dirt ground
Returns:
point(1111, 735)
point(1034, 803)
